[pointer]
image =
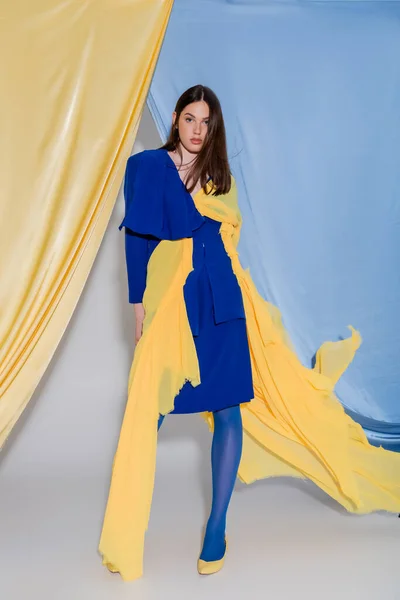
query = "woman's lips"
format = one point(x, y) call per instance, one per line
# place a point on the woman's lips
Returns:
point(195, 141)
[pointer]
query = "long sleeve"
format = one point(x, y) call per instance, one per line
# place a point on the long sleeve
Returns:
point(137, 257)
point(138, 246)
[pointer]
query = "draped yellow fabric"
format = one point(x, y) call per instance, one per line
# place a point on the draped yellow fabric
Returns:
point(75, 76)
point(294, 425)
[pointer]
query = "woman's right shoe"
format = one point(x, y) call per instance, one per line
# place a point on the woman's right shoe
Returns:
point(208, 567)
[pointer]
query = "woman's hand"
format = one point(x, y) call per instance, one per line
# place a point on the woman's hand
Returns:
point(139, 318)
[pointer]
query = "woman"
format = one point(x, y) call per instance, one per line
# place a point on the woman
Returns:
point(207, 342)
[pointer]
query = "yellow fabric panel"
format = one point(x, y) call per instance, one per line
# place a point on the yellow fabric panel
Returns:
point(294, 425)
point(75, 77)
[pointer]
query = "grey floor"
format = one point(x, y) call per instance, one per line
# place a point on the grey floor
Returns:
point(287, 539)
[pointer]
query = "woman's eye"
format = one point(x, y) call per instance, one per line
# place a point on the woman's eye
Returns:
point(188, 119)
point(206, 122)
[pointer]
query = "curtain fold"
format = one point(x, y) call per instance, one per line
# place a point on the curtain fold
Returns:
point(75, 78)
point(310, 93)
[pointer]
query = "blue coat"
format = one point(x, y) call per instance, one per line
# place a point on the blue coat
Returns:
point(158, 207)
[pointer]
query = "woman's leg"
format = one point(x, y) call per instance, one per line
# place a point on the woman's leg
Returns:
point(226, 452)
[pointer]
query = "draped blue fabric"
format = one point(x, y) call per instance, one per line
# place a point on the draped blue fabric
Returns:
point(311, 95)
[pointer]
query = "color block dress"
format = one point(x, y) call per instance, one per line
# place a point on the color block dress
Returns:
point(294, 426)
point(158, 207)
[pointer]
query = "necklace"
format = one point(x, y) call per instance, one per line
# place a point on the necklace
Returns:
point(179, 167)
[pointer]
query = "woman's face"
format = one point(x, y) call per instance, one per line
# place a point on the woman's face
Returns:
point(193, 125)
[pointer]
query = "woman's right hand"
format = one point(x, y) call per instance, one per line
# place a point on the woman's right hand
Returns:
point(139, 318)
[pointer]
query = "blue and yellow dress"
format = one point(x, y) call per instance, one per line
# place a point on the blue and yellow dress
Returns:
point(213, 297)
point(206, 324)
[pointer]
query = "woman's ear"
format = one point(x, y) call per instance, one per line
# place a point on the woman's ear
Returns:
point(174, 119)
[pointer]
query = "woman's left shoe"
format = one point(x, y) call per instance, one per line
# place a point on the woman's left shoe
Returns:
point(208, 567)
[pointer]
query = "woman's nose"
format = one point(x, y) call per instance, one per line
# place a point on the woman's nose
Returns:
point(197, 128)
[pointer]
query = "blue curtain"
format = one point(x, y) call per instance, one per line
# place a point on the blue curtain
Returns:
point(311, 95)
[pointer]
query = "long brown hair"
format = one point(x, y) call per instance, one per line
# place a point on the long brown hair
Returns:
point(212, 160)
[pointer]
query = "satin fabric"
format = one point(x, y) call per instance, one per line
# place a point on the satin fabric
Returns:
point(75, 77)
point(294, 425)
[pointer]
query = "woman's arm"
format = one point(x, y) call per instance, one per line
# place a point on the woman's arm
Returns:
point(137, 255)
point(139, 318)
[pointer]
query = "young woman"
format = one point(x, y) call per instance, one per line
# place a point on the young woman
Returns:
point(207, 342)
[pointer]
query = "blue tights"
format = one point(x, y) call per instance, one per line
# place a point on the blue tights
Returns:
point(226, 451)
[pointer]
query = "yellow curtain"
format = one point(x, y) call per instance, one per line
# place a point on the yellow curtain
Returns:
point(75, 75)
